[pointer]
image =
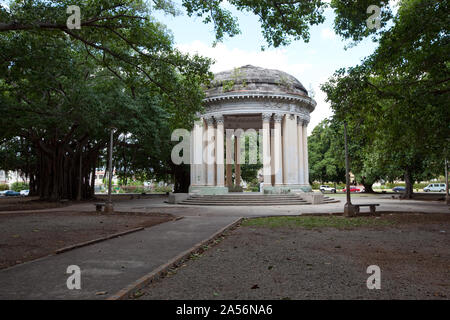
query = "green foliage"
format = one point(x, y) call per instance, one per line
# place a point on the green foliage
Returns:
point(397, 99)
point(4, 187)
point(19, 186)
point(351, 17)
point(162, 189)
point(253, 185)
point(325, 152)
point(250, 168)
point(61, 90)
point(228, 85)
point(309, 222)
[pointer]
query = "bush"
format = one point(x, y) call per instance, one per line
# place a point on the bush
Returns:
point(19, 186)
point(162, 189)
point(4, 187)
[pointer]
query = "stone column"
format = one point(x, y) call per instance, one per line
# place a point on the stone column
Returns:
point(220, 174)
point(210, 153)
point(229, 156)
point(267, 171)
point(197, 174)
point(278, 150)
point(290, 152)
point(305, 151)
point(301, 151)
point(237, 161)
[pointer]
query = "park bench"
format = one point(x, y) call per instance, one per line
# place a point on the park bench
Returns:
point(371, 205)
point(99, 206)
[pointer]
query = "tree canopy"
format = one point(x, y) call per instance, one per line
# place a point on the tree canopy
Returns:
point(398, 96)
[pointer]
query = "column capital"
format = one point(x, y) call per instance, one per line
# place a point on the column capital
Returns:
point(266, 116)
point(303, 121)
point(209, 120)
point(278, 117)
point(199, 122)
point(219, 118)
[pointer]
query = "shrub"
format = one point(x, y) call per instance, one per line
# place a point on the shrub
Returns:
point(162, 189)
point(4, 187)
point(19, 186)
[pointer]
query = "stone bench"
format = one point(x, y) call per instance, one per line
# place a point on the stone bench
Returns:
point(371, 205)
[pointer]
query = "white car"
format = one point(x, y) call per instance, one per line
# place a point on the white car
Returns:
point(24, 193)
point(327, 189)
point(435, 187)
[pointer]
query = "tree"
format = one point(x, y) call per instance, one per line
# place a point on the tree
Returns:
point(62, 95)
point(326, 163)
point(398, 96)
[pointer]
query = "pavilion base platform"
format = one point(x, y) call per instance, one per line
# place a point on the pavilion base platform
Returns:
point(207, 190)
point(286, 189)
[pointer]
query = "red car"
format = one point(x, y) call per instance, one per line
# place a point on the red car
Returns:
point(352, 189)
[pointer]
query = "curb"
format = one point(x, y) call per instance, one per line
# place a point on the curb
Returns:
point(83, 244)
point(148, 278)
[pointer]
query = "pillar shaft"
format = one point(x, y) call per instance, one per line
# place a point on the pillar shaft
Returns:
point(301, 152)
point(305, 152)
point(220, 174)
point(237, 154)
point(290, 152)
point(278, 151)
point(197, 172)
point(267, 171)
point(229, 158)
point(210, 153)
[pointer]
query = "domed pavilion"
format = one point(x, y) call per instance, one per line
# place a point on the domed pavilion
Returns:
point(270, 102)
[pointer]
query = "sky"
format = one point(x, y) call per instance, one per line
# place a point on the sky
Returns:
point(311, 63)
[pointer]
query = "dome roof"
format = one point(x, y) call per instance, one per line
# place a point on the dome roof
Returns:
point(255, 79)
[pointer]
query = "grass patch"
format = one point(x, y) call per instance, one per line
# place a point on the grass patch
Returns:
point(311, 222)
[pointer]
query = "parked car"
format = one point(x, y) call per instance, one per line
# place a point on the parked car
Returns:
point(435, 187)
point(324, 189)
point(11, 193)
point(352, 189)
point(399, 189)
point(2, 193)
point(24, 193)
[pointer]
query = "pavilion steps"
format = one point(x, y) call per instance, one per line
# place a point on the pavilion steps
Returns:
point(244, 200)
point(330, 200)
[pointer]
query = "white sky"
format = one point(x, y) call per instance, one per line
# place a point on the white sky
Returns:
point(311, 63)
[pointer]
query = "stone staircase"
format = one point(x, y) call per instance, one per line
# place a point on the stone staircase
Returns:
point(245, 199)
point(330, 200)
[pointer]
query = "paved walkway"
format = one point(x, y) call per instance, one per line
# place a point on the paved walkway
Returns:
point(109, 265)
point(112, 265)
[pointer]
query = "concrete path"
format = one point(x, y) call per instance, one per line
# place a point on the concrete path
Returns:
point(110, 265)
point(114, 264)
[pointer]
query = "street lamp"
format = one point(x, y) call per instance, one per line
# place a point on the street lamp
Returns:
point(447, 195)
point(109, 208)
point(349, 208)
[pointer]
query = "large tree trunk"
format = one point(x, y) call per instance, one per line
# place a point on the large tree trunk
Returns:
point(367, 185)
point(409, 186)
point(182, 179)
point(64, 174)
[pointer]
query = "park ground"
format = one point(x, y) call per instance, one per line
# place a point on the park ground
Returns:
point(318, 258)
point(295, 252)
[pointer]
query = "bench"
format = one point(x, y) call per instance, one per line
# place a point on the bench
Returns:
point(371, 205)
point(99, 206)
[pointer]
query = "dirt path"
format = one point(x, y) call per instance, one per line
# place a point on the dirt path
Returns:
point(25, 236)
point(324, 263)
